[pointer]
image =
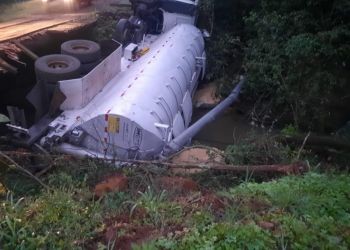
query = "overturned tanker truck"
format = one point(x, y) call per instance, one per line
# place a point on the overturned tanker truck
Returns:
point(137, 102)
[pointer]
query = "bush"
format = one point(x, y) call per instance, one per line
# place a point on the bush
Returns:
point(225, 236)
point(224, 49)
point(311, 211)
point(258, 150)
point(297, 57)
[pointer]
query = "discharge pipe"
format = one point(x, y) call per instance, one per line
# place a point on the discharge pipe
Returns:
point(178, 143)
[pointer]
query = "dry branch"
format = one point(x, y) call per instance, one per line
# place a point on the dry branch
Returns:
point(314, 140)
point(14, 165)
point(8, 67)
point(295, 168)
point(27, 51)
point(286, 169)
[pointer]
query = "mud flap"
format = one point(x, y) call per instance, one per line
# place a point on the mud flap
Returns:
point(39, 98)
point(57, 99)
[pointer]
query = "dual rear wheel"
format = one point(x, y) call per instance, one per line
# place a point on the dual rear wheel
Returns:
point(77, 57)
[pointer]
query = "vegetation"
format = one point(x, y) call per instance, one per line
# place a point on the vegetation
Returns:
point(311, 211)
point(107, 21)
point(291, 213)
point(255, 150)
point(14, 9)
point(296, 55)
point(11, 9)
point(54, 219)
point(104, 27)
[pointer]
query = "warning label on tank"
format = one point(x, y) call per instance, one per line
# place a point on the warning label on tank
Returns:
point(113, 124)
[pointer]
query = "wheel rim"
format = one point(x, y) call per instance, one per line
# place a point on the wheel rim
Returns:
point(80, 48)
point(58, 65)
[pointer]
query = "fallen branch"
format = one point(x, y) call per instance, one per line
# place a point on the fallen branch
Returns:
point(44, 171)
point(23, 154)
point(8, 67)
point(294, 168)
point(302, 146)
point(16, 166)
point(27, 51)
point(315, 140)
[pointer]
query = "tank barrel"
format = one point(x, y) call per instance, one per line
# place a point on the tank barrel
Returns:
point(177, 143)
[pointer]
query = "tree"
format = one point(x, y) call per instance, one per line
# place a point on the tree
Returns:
point(297, 58)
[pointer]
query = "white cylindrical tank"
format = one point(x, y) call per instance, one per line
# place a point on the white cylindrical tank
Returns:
point(146, 105)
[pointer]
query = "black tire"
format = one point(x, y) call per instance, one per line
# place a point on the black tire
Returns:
point(138, 35)
point(138, 27)
point(122, 31)
point(86, 51)
point(53, 68)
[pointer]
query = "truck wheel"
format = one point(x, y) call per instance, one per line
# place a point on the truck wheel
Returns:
point(53, 68)
point(86, 51)
point(122, 31)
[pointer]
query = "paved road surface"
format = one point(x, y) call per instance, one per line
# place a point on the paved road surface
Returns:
point(26, 26)
point(32, 18)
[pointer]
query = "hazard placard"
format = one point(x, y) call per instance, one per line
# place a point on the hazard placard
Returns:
point(113, 124)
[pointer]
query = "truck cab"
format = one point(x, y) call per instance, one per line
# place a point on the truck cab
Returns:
point(155, 17)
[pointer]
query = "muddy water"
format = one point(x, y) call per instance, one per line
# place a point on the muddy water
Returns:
point(230, 128)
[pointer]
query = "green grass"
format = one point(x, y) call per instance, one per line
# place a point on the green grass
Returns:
point(20, 9)
point(309, 212)
point(306, 212)
point(62, 218)
point(312, 211)
point(12, 10)
point(157, 208)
